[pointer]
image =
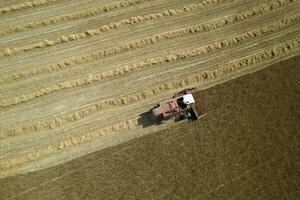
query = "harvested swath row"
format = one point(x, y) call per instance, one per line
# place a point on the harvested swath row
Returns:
point(122, 100)
point(249, 62)
point(282, 50)
point(72, 16)
point(68, 143)
point(26, 5)
point(169, 57)
point(140, 43)
point(109, 27)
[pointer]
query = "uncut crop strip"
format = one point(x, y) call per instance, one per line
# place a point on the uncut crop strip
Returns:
point(26, 5)
point(141, 43)
point(123, 100)
point(252, 61)
point(109, 27)
point(72, 16)
point(169, 57)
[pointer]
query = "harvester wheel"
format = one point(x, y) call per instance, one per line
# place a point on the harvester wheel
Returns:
point(194, 113)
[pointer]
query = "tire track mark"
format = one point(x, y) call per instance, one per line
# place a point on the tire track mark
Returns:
point(90, 163)
point(169, 57)
point(212, 74)
point(111, 26)
point(267, 54)
point(73, 16)
point(140, 43)
point(26, 5)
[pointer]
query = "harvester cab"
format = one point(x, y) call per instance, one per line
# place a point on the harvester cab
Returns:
point(181, 106)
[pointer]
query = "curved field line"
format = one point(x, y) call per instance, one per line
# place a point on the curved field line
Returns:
point(169, 57)
point(72, 16)
point(109, 27)
point(26, 5)
point(267, 54)
point(123, 100)
point(141, 43)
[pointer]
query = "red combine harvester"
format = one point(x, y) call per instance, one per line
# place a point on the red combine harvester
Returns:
point(182, 105)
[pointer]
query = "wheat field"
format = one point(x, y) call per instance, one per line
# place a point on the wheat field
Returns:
point(75, 76)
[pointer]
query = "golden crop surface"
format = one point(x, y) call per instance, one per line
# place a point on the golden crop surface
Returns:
point(75, 76)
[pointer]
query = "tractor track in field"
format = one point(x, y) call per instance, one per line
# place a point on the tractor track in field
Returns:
point(96, 11)
point(140, 43)
point(258, 10)
point(72, 16)
point(26, 5)
point(84, 86)
point(112, 26)
point(168, 57)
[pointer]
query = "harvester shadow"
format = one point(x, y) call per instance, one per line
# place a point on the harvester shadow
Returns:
point(147, 119)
